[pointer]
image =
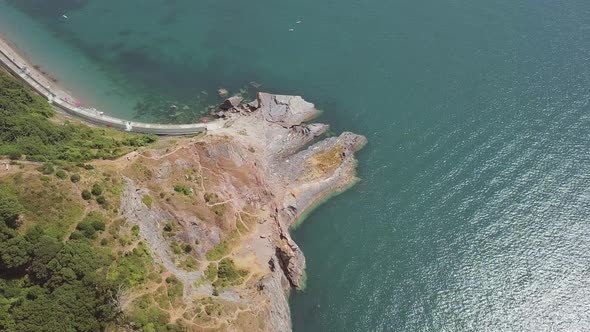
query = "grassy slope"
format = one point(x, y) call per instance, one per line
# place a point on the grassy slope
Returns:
point(59, 253)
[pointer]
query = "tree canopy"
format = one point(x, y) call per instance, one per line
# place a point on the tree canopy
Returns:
point(48, 285)
point(26, 130)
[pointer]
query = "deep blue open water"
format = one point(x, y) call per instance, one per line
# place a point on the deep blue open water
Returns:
point(473, 213)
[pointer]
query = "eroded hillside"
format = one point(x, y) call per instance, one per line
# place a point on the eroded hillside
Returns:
point(186, 234)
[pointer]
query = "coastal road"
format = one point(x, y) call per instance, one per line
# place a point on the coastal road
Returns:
point(19, 67)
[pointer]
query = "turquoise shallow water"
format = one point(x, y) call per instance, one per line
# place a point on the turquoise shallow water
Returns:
point(473, 209)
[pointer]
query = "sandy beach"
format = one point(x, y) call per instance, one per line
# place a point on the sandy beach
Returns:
point(36, 78)
point(35, 70)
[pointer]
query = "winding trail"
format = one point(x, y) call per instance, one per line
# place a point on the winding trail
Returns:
point(149, 220)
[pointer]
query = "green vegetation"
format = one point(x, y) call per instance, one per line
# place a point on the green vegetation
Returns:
point(26, 129)
point(147, 200)
point(47, 168)
point(177, 248)
point(147, 315)
point(169, 227)
point(96, 190)
point(101, 200)
point(86, 195)
point(132, 268)
point(57, 270)
point(174, 287)
point(10, 207)
point(47, 203)
point(14, 155)
point(46, 284)
point(216, 253)
point(89, 227)
point(224, 274)
point(190, 264)
point(61, 174)
point(228, 274)
point(135, 231)
point(211, 272)
point(183, 189)
point(75, 178)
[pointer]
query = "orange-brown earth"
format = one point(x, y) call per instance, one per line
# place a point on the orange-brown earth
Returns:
point(214, 212)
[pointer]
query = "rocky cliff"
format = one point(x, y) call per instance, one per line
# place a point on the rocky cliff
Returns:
point(228, 199)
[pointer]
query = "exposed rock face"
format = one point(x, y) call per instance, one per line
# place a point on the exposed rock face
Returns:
point(259, 165)
point(231, 102)
point(273, 286)
point(298, 178)
point(286, 111)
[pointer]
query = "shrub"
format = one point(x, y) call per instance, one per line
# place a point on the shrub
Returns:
point(86, 195)
point(91, 224)
point(211, 272)
point(217, 252)
point(132, 268)
point(96, 190)
point(75, 178)
point(10, 207)
point(147, 200)
point(183, 189)
point(14, 155)
point(46, 168)
point(101, 200)
point(61, 174)
point(135, 230)
point(177, 248)
point(169, 227)
point(174, 287)
point(228, 274)
point(76, 235)
point(190, 264)
point(224, 274)
point(211, 198)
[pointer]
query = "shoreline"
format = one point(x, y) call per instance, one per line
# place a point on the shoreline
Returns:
point(18, 55)
point(16, 63)
point(291, 179)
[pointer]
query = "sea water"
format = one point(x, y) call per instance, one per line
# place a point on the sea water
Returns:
point(473, 209)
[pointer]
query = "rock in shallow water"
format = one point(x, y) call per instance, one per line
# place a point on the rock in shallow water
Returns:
point(231, 102)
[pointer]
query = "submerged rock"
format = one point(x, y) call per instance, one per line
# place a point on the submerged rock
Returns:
point(222, 92)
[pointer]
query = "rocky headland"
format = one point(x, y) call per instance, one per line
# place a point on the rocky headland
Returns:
point(227, 199)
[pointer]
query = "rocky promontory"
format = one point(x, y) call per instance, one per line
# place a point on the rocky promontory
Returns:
point(229, 197)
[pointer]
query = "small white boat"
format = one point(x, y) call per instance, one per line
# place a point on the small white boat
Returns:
point(64, 16)
point(298, 22)
point(291, 30)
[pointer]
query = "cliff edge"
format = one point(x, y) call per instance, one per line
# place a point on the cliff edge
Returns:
point(228, 198)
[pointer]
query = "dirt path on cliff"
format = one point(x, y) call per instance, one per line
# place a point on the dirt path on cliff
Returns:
point(148, 220)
